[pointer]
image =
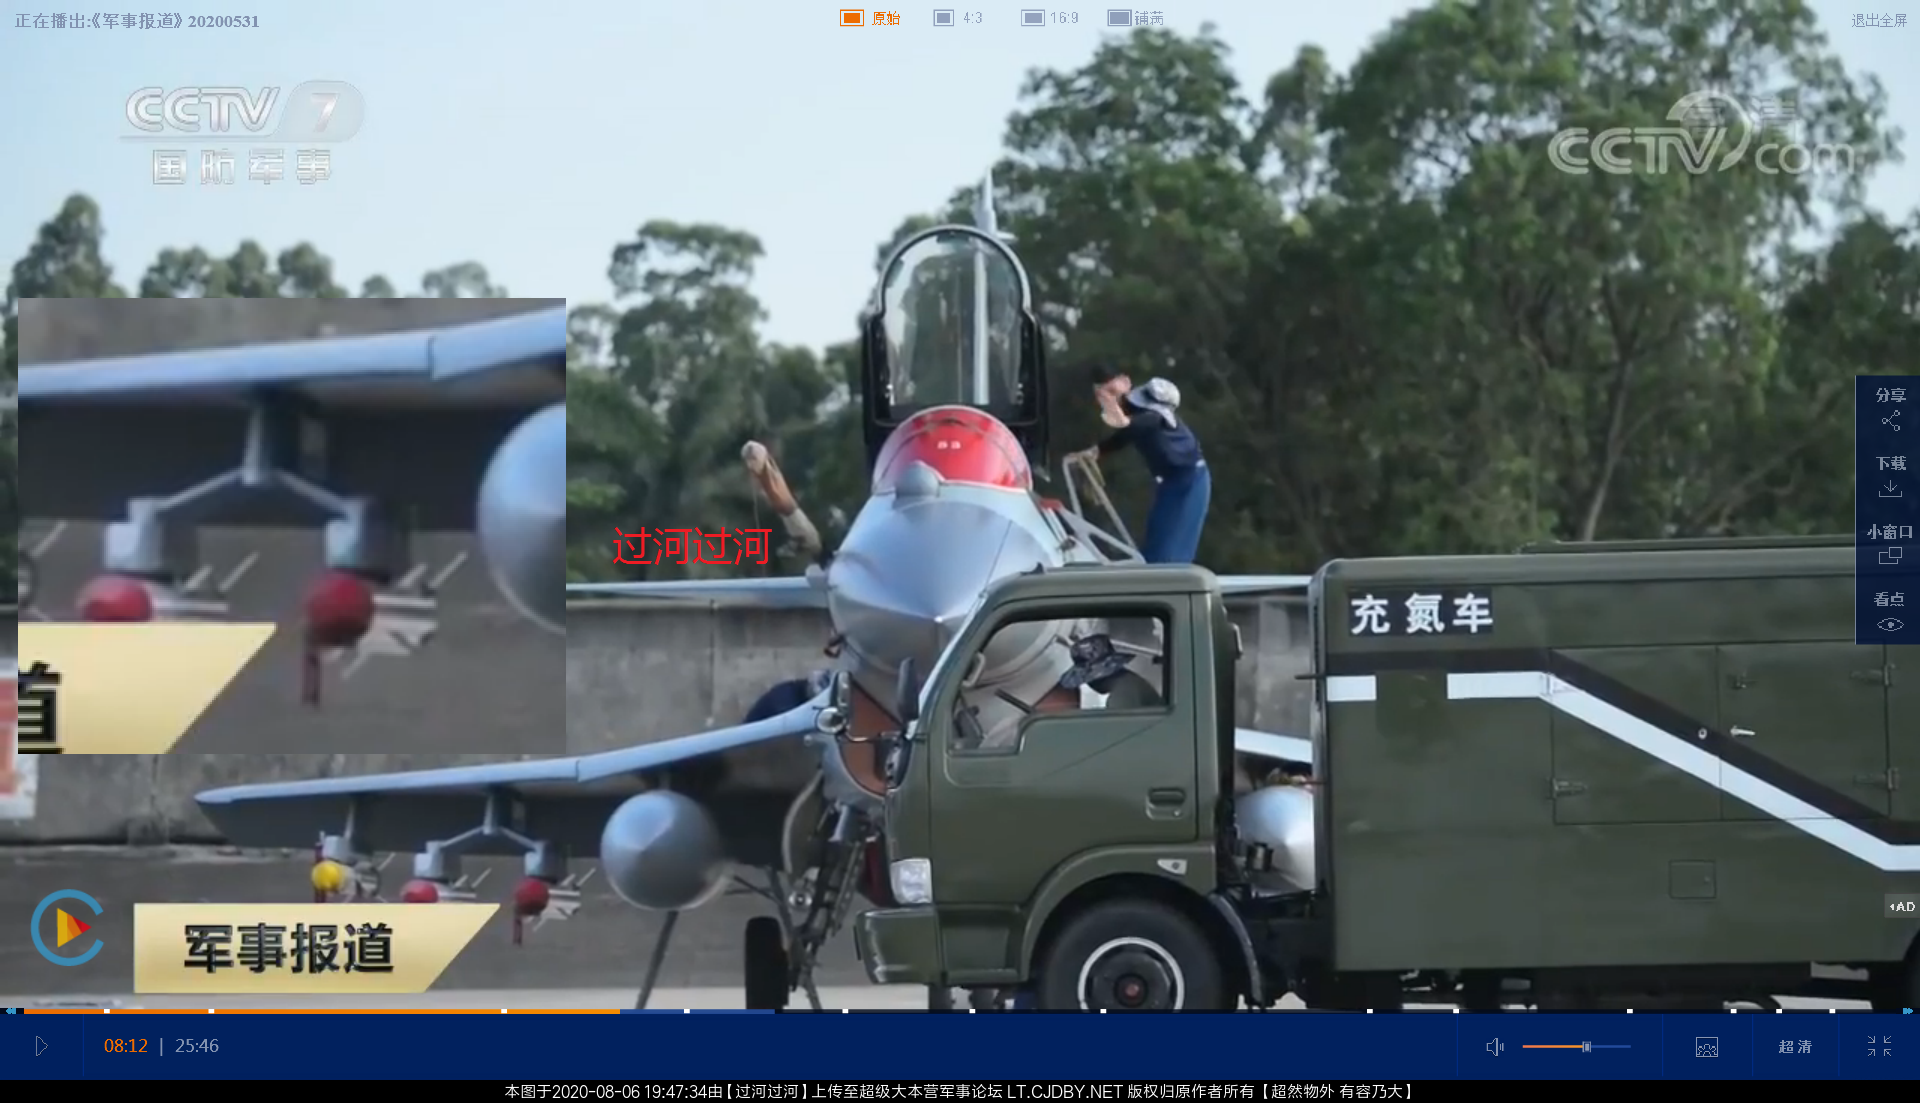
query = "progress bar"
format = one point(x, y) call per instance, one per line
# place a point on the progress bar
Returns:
point(1584, 1047)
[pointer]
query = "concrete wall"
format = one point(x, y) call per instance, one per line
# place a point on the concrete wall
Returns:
point(637, 676)
point(631, 676)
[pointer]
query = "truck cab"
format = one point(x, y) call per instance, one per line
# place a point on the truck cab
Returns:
point(1078, 852)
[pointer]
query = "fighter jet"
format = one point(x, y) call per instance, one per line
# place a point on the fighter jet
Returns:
point(955, 411)
point(459, 428)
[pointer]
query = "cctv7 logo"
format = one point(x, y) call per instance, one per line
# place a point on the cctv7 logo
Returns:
point(326, 101)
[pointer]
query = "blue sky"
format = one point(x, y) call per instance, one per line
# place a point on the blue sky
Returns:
point(532, 140)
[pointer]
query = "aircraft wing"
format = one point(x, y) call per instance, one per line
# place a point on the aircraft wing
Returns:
point(795, 592)
point(785, 592)
point(422, 358)
point(1240, 584)
point(1280, 748)
point(559, 800)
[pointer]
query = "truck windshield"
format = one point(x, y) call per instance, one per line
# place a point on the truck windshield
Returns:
point(949, 660)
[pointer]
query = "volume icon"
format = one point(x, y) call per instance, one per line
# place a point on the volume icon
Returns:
point(1495, 1047)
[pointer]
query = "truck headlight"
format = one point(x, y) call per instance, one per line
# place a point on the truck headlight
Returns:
point(911, 880)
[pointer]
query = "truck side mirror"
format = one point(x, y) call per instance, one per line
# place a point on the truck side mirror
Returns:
point(906, 694)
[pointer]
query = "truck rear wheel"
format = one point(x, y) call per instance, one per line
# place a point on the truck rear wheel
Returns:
point(1131, 955)
point(765, 958)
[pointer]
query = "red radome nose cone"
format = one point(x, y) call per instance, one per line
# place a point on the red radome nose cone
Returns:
point(530, 896)
point(339, 609)
point(962, 444)
point(420, 892)
point(116, 599)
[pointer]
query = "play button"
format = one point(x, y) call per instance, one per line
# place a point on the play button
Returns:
point(67, 928)
point(39, 1045)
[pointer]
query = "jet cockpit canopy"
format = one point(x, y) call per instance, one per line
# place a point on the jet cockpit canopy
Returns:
point(952, 324)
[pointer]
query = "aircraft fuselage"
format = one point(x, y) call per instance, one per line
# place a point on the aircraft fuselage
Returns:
point(953, 510)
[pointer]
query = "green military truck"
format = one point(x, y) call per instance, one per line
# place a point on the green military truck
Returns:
point(1649, 776)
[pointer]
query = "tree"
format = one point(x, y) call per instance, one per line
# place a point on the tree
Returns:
point(1152, 242)
point(64, 261)
point(301, 272)
point(1591, 334)
point(466, 280)
point(1401, 326)
point(1404, 331)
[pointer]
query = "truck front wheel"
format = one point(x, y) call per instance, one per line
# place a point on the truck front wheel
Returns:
point(1131, 955)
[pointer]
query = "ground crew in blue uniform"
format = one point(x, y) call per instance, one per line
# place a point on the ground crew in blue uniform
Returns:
point(1147, 418)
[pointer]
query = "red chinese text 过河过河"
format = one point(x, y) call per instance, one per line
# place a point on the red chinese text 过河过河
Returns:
point(717, 547)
